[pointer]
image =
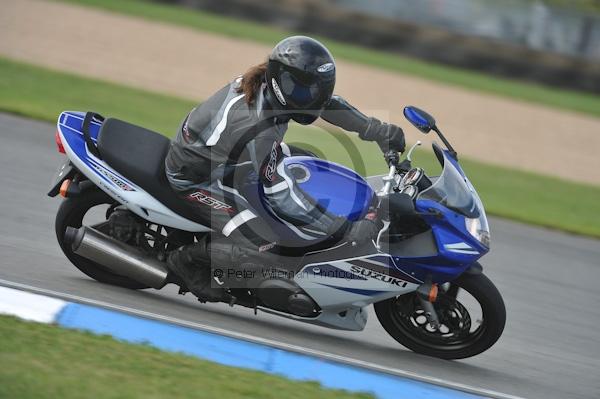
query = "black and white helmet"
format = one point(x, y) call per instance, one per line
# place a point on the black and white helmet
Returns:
point(300, 77)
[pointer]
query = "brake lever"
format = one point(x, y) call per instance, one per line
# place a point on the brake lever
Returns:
point(406, 164)
point(415, 145)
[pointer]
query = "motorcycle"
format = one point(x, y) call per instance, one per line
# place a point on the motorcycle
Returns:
point(421, 273)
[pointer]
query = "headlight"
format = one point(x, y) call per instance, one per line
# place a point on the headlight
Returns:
point(474, 228)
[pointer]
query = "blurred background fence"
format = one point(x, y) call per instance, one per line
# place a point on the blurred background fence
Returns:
point(534, 24)
point(554, 41)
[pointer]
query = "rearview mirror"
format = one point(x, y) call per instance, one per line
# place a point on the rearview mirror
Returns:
point(419, 118)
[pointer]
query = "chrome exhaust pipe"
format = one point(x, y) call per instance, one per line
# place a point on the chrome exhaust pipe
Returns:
point(117, 256)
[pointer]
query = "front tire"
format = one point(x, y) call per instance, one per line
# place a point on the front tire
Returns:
point(399, 316)
point(71, 214)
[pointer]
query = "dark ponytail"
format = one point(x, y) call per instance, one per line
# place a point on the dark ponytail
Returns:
point(251, 81)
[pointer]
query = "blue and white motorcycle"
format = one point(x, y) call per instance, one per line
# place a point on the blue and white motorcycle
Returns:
point(120, 218)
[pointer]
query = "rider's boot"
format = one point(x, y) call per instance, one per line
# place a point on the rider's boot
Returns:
point(202, 266)
point(192, 265)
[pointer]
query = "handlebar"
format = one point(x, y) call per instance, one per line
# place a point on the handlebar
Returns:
point(392, 158)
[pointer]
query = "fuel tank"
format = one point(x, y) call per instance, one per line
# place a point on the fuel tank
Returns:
point(338, 189)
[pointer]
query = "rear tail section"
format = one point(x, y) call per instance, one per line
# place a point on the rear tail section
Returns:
point(78, 135)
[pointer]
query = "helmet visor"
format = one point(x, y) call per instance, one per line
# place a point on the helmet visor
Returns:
point(300, 94)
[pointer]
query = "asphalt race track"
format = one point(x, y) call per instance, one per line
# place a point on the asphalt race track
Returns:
point(549, 280)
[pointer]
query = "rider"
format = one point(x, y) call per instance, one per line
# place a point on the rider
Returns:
point(242, 125)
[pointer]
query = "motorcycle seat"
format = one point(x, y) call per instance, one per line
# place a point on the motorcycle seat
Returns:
point(139, 155)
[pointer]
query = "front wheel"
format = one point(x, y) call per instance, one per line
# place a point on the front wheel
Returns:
point(470, 323)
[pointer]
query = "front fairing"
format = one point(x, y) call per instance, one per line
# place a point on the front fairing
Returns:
point(455, 213)
point(455, 244)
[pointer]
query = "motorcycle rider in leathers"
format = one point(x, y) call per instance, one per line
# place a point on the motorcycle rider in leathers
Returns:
point(242, 127)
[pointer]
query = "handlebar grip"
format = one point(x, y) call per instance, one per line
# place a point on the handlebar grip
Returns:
point(392, 158)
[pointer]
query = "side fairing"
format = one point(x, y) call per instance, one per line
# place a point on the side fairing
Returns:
point(355, 282)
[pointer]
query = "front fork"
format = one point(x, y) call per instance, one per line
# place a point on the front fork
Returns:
point(428, 292)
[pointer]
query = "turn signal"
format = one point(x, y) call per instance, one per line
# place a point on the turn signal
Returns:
point(59, 143)
point(64, 187)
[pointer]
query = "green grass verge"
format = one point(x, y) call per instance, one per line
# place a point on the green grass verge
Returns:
point(559, 98)
point(44, 361)
point(546, 201)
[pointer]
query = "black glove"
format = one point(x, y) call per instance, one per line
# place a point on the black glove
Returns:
point(392, 158)
point(387, 135)
point(363, 231)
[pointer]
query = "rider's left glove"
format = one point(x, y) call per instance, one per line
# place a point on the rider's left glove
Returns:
point(387, 135)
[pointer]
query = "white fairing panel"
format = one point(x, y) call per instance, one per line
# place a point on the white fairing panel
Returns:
point(354, 282)
point(118, 187)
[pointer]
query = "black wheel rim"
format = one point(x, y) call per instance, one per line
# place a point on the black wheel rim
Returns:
point(455, 321)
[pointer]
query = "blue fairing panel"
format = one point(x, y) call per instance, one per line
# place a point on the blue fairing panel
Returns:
point(69, 124)
point(71, 121)
point(338, 189)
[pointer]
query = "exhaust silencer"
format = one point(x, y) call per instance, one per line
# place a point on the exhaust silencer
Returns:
point(119, 257)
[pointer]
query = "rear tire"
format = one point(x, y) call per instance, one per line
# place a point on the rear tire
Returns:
point(70, 214)
point(494, 319)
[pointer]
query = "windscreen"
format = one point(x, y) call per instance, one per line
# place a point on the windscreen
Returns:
point(453, 191)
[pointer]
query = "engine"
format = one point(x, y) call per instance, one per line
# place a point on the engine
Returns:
point(285, 295)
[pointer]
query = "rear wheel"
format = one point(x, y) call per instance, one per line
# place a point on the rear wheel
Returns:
point(471, 312)
point(93, 205)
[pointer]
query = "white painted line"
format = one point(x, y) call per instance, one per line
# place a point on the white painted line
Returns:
point(28, 306)
point(264, 341)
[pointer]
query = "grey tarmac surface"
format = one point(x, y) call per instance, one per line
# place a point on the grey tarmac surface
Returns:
point(549, 281)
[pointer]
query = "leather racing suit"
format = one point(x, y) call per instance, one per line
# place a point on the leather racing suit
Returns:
point(224, 136)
